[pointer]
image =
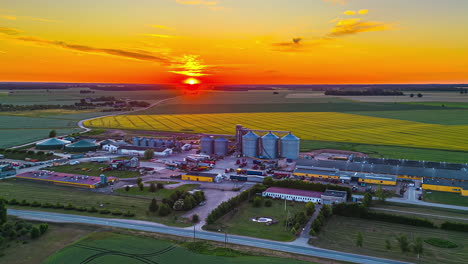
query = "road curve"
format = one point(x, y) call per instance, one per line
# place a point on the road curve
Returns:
point(187, 232)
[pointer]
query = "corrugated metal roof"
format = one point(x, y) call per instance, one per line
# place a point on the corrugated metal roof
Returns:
point(288, 191)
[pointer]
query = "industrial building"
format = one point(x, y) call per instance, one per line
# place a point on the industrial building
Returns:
point(7, 170)
point(66, 179)
point(442, 185)
point(51, 144)
point(140, 151)
point(81, 146)
point(317, 172)
point(293, 194)
point(332, 197)
point(201, 176)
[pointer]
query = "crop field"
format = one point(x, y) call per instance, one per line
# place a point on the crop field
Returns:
point(114, 248)
point(321, 126)
point(340, 234)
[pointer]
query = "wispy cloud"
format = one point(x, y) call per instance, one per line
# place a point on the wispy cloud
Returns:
point(336, 1)
point(158, 35)
point(161, 27)
point(211, 4)
point(11, 17)
point(353, 13)
point(9, 31)
point(189, 65)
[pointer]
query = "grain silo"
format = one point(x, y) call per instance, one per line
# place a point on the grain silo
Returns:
point(206, 145)
point(152, 143)
point(250, 144)
point(136, 141)
point(290, 147)
point(169, 144)
point(221, 146)
point(270, 146)
point(159, 143)
point(143, 142)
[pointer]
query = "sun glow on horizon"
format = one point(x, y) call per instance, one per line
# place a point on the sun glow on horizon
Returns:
point(191, 81)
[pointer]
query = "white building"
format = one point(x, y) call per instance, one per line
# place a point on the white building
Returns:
point(293, 194)
point(110, 148)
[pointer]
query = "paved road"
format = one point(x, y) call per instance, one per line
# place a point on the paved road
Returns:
point(419, 202)
point(187, 232)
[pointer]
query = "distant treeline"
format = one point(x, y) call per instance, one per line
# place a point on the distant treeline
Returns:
point(365, 92)
point(14, 108)
point(92, 86)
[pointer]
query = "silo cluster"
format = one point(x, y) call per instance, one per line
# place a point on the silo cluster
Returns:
point(211, 146)
point(270, 146)
point(153, 142)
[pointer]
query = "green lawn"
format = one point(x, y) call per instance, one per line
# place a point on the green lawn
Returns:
point(340, 234)
point(160, 194)
point(116, 248)
point(239, 220)
point(46, 193)
point(93, 169)
point(445, 198)
point(390, 152)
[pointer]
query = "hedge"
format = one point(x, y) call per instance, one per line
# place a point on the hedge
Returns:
point(455, 226)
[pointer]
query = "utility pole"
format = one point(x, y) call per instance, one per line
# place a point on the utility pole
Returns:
point(225, 239)
point(194, 233)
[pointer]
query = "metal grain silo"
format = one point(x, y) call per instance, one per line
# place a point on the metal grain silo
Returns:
point(221, 146)
point(290, 146)
point(152, 143)
point(159, 143)
point(169, 144)
point(136, 141)
point(270, 146)
point(206, 145)
point(250, 144)
point(143, 142)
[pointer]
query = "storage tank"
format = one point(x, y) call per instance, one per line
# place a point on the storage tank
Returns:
point(270, 146)
point(136, 141)
point(143, 142)
point(290, 145)
point(250, 144)
point(159, 143)
point(206, 145)
point(152, 143)
point(221, 146)
point(169, 144)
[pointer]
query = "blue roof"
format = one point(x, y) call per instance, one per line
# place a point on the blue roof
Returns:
point(290, 137)
point(251, 135)
point(270, 135)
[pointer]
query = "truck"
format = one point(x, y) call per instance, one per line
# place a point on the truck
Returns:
point(238, 178)
point(100, 159)
point(255, 172)
point(76, 156)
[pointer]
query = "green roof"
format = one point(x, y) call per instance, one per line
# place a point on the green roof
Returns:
point(52, 142)
point(82, 144)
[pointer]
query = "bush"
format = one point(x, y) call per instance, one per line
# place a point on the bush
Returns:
point(152, 187)
point(35, 204)
point(455, 226)
point(47, 205)
point(70, 207)
point(268, 203)
point(129, 214)
point(164, 210)
point(153, 206)
point(43, 228)
point(92, 210)
point(24, 203)
point(127, 188)
point(195, 218)
point(160, 186)
point(104, 211)
point(81, 209)
point(257, 202)
point(141, 186)
point(12, 202)
point(437, 242)
point(117, 213)
point(35, 233)
point(58, 206)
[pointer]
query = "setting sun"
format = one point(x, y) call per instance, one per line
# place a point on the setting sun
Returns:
point(192, 81)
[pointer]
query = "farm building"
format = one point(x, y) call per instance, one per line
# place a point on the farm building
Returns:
point(454, 186)
point(293, 194)
point(201, 176)
point(52, 143)
point(66, 179)
point(81, 146)
point(6, 170)
point(140, 151)
point(373, 178)
point(317, 172)
point(333, 196)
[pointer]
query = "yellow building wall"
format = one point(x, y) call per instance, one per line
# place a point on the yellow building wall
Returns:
point(464, 192)
point(316, 176)
point(441, 188)
point(60, 182)
point(377, 181)
point(196, 178)
point(409, 177)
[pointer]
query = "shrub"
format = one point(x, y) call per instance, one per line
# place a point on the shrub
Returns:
point(153, 207)
point(160, 186)
point(92, 210)
point(58, 206)
point(117, 213)
point(257, 202)
point(69, 207)
point(438, 242)
point(129, 214)
point(12, 202)
point(455, 226)
point(127, 188)
point(268, 203)
point(35, 204)
point(35, 233)
point(195, 218)
point(164, 210)
point(81, 209)
point(152, 187)
point(43, 228)
point(104, 211)
point(141, 186)
point(24, 203)
point(47, 205)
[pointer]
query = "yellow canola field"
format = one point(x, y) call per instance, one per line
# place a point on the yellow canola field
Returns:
point(324, 126)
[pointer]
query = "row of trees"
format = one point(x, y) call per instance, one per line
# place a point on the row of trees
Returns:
point(302, 185)
point(232, 203)
point(323, 215)
point(403, 243)
point(365, 92)
point(178, 201)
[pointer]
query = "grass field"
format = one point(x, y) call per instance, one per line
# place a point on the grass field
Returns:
point(321, 126)
point(239, 220)
point(160, 194)
point(93, 169)
point(46, 193)
point(106, 247)
point(340, 234)
point(445, 198)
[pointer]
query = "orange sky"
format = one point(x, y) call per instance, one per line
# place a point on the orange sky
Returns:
point(235, 41)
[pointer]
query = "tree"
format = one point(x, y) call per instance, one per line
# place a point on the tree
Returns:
point(152, 187)
point(388, 245)
point(3, 212)
point(418, 247)
point(359, 239)
point(310, 208)
point(164, 210)
point(189, 202)
point(127, 188)
point(52, 133)
point(195, 218)
point(367, 200)
point(35, 233)
point(149, 154)
point(420, 95)
point(411, 95)
point(268, 181)
point(327, 210)
point(257, 202)
point(178, 205)
point(403, 243)
point(141, 186)
point(380, 194)
point(268, 203)
point(43, 228)
point(160, 186)
point(153, 206)
point(139, 180)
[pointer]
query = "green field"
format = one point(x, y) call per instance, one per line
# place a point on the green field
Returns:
point(46, 193)
point(441, 116)
point(160, 194)
point(340, 234)
point(113, 248)
point(93, 169)
point(445, 198)
point(239, 220)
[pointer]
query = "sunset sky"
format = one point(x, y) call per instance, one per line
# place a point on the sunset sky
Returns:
point(235, 41)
